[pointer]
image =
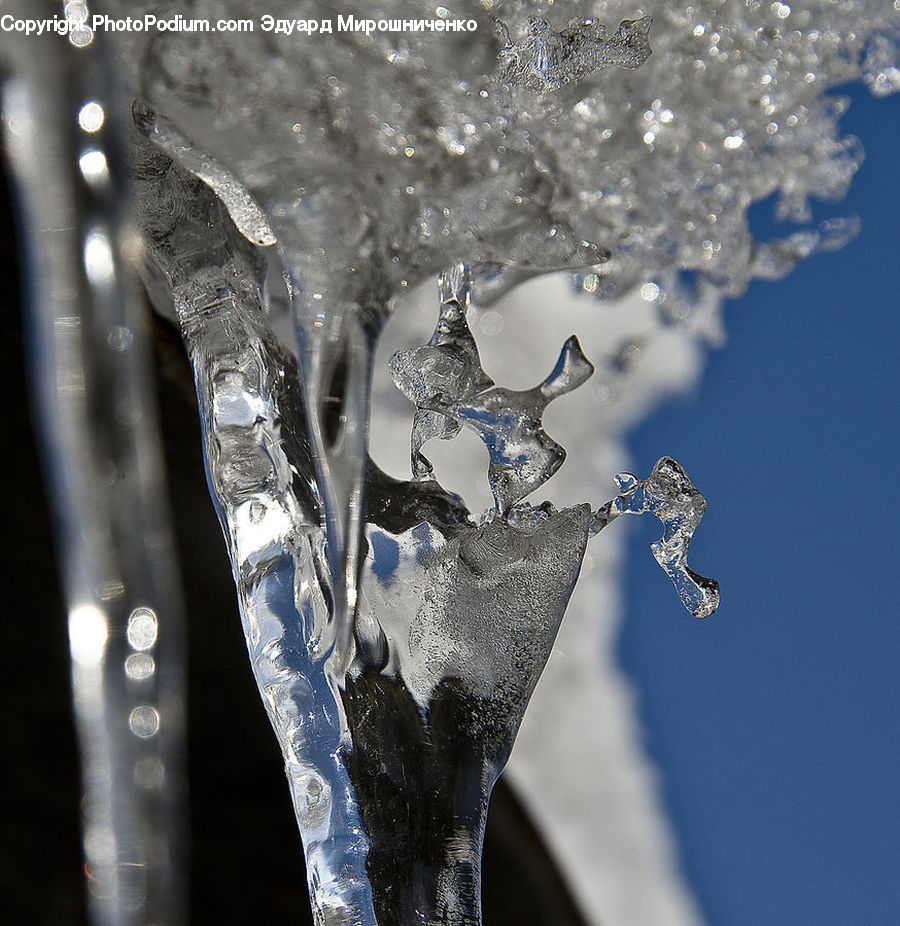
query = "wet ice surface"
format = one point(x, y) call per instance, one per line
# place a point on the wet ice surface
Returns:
point(602, 798)
point(467, 616)
point(371, 162)
point(260, 468)
point(657, 164)
point(456, 619)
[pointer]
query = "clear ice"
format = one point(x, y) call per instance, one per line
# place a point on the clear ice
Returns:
point(289, 191)
point(445, 381)
point(669, 495)
point(546, 60)
point(449, 388)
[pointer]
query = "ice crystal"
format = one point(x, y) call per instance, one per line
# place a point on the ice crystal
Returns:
point(447, 369)
point(546, 60)
point(429, 151)
point(446, 382)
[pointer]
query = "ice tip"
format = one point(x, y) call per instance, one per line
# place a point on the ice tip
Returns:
point(636, 26)
point(710, 602)
point(455, 286)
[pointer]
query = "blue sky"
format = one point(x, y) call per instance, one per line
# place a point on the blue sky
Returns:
point(775, 722)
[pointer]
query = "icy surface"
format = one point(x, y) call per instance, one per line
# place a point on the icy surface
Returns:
point(599, 809)
point(657, 164)
point(260, 468)
point(445, 381)
point(402, 152)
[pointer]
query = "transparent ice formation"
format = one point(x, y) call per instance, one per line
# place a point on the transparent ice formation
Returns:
point(669, 494)
point(445, 381)
point(545, 60)
point(290, 189)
